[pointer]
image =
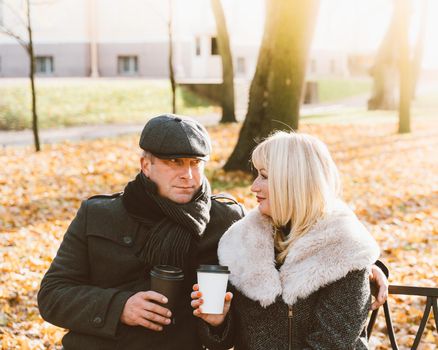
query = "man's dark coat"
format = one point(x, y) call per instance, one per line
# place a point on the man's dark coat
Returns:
point(96, 270)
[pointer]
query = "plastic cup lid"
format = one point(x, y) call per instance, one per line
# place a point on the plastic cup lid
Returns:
point(167, 272)
point(213, 269)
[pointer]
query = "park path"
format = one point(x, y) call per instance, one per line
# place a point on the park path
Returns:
point(85, 132)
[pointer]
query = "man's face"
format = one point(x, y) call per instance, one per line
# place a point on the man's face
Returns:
point(177, 179)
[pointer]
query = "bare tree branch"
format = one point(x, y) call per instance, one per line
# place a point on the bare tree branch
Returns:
point(20, 40)
point(29, 47)
point(158, 13)
point(16, 13)
point(43, 2)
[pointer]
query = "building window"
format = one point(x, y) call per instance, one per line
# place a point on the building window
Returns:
point(214, 47)
point(241, 69)
point(44, 65)
point(1, 12)
point(127, 65)
point(313, 66)
point(198, 46)
point(332, 66)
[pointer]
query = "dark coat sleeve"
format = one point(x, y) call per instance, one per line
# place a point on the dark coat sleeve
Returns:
point(217, 338)
point(67, 298)
point(341, 313)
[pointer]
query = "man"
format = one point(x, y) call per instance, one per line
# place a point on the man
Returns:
point(98, 285)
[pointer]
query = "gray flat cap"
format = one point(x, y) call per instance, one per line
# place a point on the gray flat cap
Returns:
point(172, 136)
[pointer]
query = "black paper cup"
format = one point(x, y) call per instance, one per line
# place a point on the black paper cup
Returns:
point(167, 280)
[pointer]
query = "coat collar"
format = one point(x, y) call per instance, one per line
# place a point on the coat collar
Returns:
point(336, 245)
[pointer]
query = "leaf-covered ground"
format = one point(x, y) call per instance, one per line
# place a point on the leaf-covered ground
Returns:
point(390, 180)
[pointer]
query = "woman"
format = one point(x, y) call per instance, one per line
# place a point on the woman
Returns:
point(299, 263)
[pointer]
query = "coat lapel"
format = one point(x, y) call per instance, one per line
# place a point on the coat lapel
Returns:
point(335, 246)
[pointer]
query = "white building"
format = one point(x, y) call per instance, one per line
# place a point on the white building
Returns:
point(130, 37)
point(111, 38)
point(327, 63)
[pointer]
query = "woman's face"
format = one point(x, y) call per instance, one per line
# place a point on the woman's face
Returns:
point(260, 188)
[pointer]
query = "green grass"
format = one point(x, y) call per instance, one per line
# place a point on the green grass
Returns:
point(425, 105)
point(77, 102)
point(70, 102)
point(336, 89)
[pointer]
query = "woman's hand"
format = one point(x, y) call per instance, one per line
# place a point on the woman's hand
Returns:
point(380, 292)
point(212, 319)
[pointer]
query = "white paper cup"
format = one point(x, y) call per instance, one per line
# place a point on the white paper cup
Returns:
point(212, 280)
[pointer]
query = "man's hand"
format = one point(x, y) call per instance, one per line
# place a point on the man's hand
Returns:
point(142, 310)
point(212, 319)
point(381, 291)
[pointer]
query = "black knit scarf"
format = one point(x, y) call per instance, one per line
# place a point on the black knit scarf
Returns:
point(176, 227)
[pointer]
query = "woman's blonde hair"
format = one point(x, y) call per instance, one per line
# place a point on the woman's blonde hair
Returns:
point(303, 183)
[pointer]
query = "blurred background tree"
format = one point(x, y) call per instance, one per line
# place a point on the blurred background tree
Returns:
point(396, 69)
point(405, 67)
point(385, 68)
point(170, 57)
point(24, 18)
point(223, 42)
point(276, 89)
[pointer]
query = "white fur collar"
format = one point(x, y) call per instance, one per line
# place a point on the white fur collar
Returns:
point(335, 246)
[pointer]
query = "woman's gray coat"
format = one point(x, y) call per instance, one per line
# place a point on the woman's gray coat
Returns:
point(318, 299)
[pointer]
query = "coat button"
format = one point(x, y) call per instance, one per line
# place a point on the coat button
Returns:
point(127, 240)
point(97, 320)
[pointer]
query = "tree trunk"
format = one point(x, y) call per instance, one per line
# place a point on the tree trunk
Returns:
point(228, 114)
point(405, 70)
point(276, 90)
point(32, 81)
point(171, 71)
point(419, 48)
point(385, 70)
point(94, 58)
